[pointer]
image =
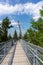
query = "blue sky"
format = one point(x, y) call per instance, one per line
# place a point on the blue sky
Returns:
point(20, 10)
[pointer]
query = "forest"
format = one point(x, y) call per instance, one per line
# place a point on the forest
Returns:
point(35, 33)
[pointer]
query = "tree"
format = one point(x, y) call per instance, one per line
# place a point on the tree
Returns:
point(25, 36)
point(1, 33)
point(38, 27)
point(5, 26)
point(33, 36)
point(9, 37)
point(41, 12)
point(35, 32)
point(15, 35)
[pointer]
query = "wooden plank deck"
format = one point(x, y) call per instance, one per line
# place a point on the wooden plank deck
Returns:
point(8, 57)
point(20, 57)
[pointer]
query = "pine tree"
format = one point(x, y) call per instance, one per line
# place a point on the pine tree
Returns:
point(4, 29)
point(35, 33)
point(15, 35)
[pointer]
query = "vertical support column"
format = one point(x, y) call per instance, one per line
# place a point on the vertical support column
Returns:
point(34, 60)
point(4, 50)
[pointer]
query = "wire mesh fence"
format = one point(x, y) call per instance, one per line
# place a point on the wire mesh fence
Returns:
point(35, 57)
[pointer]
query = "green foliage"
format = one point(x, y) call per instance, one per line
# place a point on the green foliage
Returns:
point(15, 35)
point(25, 36)
point(35, 33)
point(4, 29)
point(6, 23)
point(41, 11)
point(38, 25)
point(9, 37)
point(20, 35)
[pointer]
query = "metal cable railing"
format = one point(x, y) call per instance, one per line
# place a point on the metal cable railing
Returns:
point(32, 54)
point(4, 48)
point(39, 49)
point(11, 60)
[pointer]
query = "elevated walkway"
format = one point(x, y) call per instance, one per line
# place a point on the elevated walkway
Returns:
point(20, 57)
point(22, 54)
point(8, 57)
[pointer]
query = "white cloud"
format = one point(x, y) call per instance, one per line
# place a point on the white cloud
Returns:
point(14, 23)
point(27, 8)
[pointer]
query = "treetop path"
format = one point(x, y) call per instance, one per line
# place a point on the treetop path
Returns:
point(21, 53)
point(20, 57)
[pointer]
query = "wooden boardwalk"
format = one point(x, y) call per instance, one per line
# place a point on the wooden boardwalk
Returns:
point(8, 57)
point(20, 57)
